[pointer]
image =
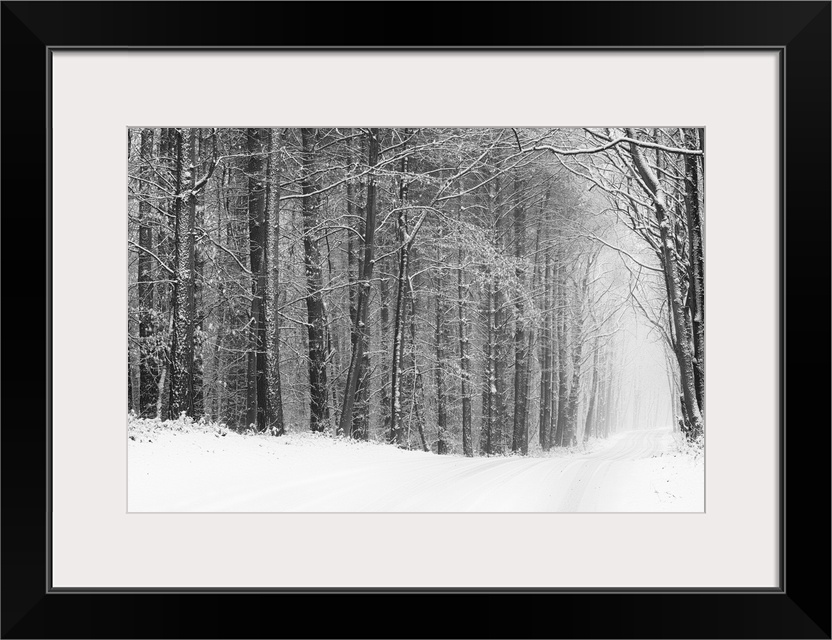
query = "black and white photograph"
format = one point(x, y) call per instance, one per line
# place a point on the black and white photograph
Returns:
point(416, 319)
point(415, 308)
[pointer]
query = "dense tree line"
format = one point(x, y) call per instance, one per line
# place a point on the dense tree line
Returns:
point(455, 290)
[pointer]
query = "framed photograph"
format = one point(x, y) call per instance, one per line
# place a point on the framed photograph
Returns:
point(412, 301)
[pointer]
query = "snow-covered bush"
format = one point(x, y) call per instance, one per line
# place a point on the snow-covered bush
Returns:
point(140, 429)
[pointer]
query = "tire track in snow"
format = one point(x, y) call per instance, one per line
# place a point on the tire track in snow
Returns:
point(417, 483)
point(496, 492)
point(635, 445)
point(421, 491)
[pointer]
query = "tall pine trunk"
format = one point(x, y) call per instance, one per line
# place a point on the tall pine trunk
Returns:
point(561, 328)
point(255, 383)
point(544, 429)
point(439, 369)
point(182, 347)
point(590, 424)
point(358, 363)
point(520, 431)
point(361, 410)
point(272, 399)
point(503, 346)
point(148, 363)
point(464, 357)
point(489, 384)
point(315, 315)
point(384, 316)
point(396, 370)
point(542, 277)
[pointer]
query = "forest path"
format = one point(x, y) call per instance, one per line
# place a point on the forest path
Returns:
point(198, 472)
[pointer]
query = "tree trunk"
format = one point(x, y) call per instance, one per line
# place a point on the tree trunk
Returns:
point(148, 362)
point(546, 360)
point(271, 401)
point(415, 398)
point(384, 316)
point(353, 269)
point(589, 425)
point(608, 402)
point(396, 427)
point(200, 163)
point(256, 388)
point(489, 390)
point(502, 341)
point(683, 338)
point(697, 271)
point(182, 348)
point(316, 320)
point(563, 389)
point(403, 238)
point(601, 394)
point(358, 363)
point(464, 358)
point(441, 408)
point(570, 432)
point(551, 323)
point(360, 411)
point(520, 431)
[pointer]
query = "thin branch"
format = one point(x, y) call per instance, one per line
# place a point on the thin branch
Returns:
point(158, 259)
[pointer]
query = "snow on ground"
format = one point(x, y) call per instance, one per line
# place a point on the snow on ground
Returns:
point(183, 467)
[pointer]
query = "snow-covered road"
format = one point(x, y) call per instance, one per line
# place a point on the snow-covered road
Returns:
point(207, 472)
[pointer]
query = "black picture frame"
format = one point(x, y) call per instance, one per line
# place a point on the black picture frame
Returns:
point(799, 608)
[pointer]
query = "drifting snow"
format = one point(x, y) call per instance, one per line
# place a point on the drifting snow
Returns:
point(181, 467)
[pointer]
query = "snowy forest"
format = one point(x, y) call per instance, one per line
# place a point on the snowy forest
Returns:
point(457, 291)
